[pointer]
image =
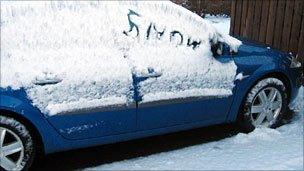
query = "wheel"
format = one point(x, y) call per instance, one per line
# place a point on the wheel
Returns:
point(264, 105)
point(16, 145)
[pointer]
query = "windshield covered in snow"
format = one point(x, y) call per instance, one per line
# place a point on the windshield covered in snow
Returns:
point(89, 51)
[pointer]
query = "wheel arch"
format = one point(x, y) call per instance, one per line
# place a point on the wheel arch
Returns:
point(28, 124)
point(237, 106)
point(275, 74)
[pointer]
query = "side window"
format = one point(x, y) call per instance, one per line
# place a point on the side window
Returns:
point(178, 53)
point(76, 64)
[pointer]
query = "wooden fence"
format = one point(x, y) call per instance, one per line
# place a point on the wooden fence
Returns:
point(278, 23)
point(202, 7)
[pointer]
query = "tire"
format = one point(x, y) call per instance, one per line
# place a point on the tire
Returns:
point(23, 151)
point(267, 99)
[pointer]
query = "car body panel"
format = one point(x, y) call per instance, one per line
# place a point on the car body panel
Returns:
point(194, 110)
point(256, 61)
point(253, 60)
point(95, 124)
point(65, 144)
point(179, 111)
point(16, 101)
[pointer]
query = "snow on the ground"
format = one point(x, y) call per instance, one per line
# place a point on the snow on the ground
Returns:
point(262, 149)
point(298, 103)
point(92, 49)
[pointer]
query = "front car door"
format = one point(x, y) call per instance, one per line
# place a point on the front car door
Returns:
point(178, 80)
point(194, 89)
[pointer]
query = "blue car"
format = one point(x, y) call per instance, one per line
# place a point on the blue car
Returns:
point(135, 95)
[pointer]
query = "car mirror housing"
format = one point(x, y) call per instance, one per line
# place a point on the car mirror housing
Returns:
point(217, 49)
point(221, 48)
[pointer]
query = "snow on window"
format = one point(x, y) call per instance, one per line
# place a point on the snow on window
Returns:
point(176, 43)
point(82, 54)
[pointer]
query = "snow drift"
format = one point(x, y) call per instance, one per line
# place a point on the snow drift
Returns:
point(93, 48)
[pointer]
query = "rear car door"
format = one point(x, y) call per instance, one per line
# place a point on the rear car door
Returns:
point(95, 107)
point(70, 65)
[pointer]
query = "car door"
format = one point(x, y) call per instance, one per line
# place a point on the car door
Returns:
point(177, 78)
point(76, 75)
point(92, 107)
point(168, 97)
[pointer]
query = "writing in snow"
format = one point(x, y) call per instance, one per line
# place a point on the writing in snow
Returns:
point(152, 28)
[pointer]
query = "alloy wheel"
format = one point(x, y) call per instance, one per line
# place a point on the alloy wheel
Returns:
point(11, 150)
point(266, 107)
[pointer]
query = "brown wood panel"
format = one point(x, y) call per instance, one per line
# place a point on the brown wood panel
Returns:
point(232, 13)
point(301, 41)
point(279, 24)
point(296, 26)
point(238, 16)
point(257, 20)
point(271, 21)
point(264, 21)
point(201, 4)
point(287, 24)
point(249, 20)
point(244, 16)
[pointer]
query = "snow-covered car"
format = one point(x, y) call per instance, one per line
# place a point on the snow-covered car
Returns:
point(80, 74)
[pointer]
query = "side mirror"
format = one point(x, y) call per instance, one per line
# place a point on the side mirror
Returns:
point(221, 48)
point(217, 49)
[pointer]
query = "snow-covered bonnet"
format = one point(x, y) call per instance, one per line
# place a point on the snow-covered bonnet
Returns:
point(93, 48)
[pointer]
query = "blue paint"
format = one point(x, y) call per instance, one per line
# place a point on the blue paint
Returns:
point(79, 130)
point(162, 116)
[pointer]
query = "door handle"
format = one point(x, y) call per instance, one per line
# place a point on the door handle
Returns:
point(150, 74)
point(47, 81)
